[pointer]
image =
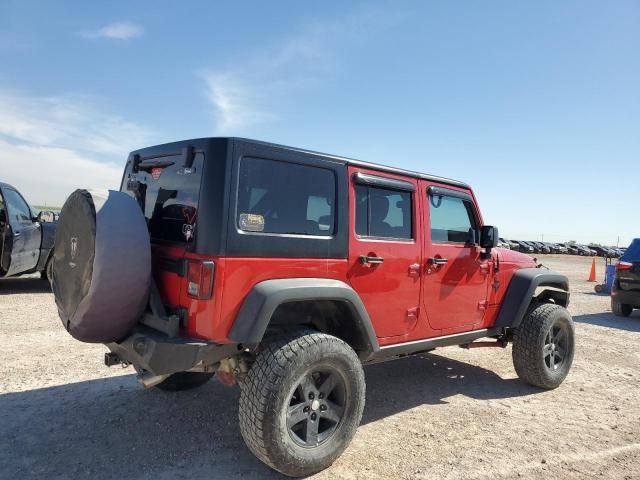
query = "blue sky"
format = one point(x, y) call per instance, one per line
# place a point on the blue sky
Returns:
point(536, 104)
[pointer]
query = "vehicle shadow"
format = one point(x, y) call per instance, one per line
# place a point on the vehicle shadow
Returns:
point(608, 319)
point(13, 285)
point(113, 428)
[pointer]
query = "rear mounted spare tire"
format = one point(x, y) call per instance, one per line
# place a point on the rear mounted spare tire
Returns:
point(101, 265)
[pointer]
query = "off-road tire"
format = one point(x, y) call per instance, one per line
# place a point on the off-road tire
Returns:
point(620, 309)
point(281, 367)
point(529, 345)
point(184, 381)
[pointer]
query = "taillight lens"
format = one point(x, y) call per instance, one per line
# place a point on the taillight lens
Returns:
point(200, 279)
point(624, 266)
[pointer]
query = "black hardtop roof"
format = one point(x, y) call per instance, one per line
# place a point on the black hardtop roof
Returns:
point(344, 160)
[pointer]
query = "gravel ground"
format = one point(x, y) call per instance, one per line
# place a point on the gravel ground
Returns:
point(450, 414)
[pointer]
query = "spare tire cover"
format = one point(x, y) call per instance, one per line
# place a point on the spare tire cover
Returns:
point(101, 265)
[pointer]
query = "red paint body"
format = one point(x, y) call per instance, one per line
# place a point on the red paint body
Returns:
point(406, 297)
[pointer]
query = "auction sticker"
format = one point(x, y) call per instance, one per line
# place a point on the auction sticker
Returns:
point(251, 222)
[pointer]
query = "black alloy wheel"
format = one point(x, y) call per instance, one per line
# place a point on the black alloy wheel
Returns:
point(316, 407)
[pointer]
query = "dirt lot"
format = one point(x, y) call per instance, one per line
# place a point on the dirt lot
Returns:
point(451, 414)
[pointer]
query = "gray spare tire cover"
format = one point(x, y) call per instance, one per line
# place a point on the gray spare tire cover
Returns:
point(101, 265)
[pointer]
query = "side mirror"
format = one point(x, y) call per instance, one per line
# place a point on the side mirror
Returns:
point(488, 237)
point(46, 216)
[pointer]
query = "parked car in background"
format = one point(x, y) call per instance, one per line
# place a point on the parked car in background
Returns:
point(603, 251)
point(571, 249)
point(555, 248)
point(523, 246)
point(502, 244)
point(26, 239)
point(584, 250)
point(512, 245)
point(542, 247)
point(625, 291)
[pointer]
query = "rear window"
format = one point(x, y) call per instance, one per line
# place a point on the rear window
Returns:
point(170, 196)
point(285, 198)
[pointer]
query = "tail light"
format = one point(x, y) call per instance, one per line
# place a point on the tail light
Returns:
point(200, 279)
point(624, 266)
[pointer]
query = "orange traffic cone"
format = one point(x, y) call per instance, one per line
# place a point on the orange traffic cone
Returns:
point(592, 275)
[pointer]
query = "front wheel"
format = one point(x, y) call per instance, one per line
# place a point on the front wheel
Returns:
point(543, 346)
point(302, 401)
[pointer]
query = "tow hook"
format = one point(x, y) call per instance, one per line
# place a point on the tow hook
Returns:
point(501, 343)
point(231, 370)
point(111, 359)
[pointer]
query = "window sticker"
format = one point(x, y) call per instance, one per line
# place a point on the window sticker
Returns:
point(250, 222)
point(187, 231)
point(189, 214)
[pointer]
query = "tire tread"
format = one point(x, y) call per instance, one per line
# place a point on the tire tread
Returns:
point(279, 350)
point(526, 351)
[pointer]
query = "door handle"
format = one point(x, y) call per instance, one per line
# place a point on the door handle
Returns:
point(365, 259)
point(437, 261)
point(16, 234)
point(414, 270)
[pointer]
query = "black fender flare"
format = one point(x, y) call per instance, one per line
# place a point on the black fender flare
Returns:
point(265, 297)
point(521, 291)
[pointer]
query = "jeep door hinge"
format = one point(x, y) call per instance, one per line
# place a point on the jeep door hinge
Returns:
point(482, 305)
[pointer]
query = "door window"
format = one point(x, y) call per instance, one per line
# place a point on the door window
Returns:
point(18, 212)
point(452, 219)
point(383, 213)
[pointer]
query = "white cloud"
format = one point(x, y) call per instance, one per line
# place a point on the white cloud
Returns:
point(69, 122)
point(235, 106)
point(115, 31)
point(245, 95)
point(47, 175)
point(49, 146)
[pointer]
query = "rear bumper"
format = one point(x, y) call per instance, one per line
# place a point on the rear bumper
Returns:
point(627, 298)
point(158, 354)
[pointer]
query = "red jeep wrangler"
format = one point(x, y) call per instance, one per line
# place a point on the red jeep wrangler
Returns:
point(287, 270)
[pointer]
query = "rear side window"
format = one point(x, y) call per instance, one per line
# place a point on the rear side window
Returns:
point(170, 195)
point(452, 219)
point(383, 213)
point(285, 198)
point(19, 212)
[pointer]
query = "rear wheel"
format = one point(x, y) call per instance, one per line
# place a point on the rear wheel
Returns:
point(302, 402)
point(543, 346)
point(184, 381)
point(620, 309)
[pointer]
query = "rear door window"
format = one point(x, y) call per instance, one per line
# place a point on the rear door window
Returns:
point(285, 198)
point(170, 195)
point(383, 213)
